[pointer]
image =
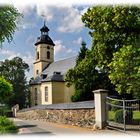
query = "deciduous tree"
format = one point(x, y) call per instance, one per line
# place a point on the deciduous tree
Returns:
point(125, 70)
point(5, 90)
point(111, 28)
point(115, 34)
point(9, 17)
point(14, 71)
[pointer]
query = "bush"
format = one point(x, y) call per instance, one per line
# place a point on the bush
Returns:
point(128, 116)
point(119, 116)
point(7, 126)
point(5, 111)
point(117, 103)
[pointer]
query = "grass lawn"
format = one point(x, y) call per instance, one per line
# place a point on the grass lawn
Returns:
point(136, 115)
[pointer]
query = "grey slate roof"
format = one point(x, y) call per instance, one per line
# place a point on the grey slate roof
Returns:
point(74, 105)
point(44, 39)
point(53, 69)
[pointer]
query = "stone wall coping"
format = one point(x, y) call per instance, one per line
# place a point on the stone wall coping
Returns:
point(64, 106)
point(100, 91)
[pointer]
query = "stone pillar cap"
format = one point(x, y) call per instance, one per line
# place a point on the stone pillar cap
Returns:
point(100, 90)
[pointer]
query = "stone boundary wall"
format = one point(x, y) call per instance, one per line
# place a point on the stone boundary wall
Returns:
point(82, 115)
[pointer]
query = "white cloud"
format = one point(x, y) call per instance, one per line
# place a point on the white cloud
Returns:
point(61, 51)
point(45, 11)
point(67, 18)
point(8, 54)
point(78, 41)
point(25, 9)
point(85, 9)
point(31, 40)
point(72, 21)
point(59, 48)
point(28, 20)
point(27, 58)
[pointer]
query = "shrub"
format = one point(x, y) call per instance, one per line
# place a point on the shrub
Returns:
point(7, 126)
point(117, 103)
point(5, 111)
point(119, 116)
point(128, 116)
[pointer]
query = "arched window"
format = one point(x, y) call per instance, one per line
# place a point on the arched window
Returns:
point(48, 55)
point(37, 72)
point(46, 94)
point(37, 55)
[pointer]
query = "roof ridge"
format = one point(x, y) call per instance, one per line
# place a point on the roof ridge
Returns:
point(65, 59)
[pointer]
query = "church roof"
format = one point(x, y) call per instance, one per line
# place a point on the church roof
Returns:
point(55, 71)
point(44, 38)
point(44, 28)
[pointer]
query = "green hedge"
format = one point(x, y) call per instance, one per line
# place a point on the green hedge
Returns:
point(128, 116)
point(117, 103)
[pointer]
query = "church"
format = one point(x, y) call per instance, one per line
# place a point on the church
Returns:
point(48, 85)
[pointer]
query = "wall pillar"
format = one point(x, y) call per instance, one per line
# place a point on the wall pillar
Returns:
point(100, 107)
point(15, 109)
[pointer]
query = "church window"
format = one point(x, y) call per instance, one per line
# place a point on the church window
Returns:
point(46, 94)
point(48, 47)
point(35, 96)
point(44, 33)
point(37, 72)
point(37, 55)
point(44, 76)
point(48, 55)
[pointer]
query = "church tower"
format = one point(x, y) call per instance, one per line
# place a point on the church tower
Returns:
point(44, 48)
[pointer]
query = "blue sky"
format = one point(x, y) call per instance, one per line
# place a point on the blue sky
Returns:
point(66, 30)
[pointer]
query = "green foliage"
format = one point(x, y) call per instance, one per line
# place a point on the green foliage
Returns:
point(111, 115)
point(119, 116)
point(14, 71)
point(82, 77)
point(115, 38)
point(82, 53)
point(116, 104)
point(5, 111)
point(9, 17)
point(7, 126)
point(5, 89)
point(125, 70)
point(112, 27)
point(128, 116)
point(85, 78)
point(132, 116)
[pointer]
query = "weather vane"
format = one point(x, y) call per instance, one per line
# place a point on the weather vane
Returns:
point(44, 18)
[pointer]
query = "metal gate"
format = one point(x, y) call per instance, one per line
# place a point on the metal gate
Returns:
point(123, 114)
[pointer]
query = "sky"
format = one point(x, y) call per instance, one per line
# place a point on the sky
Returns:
point(64, 21)
point(66, 30)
